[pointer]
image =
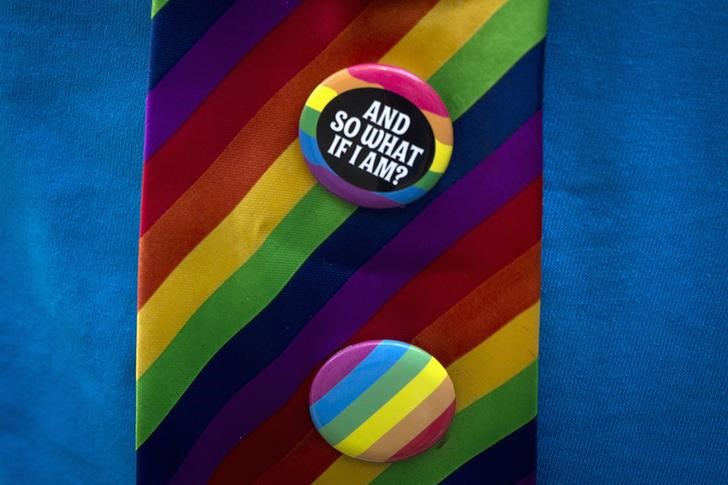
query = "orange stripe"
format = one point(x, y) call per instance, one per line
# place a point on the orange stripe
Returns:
point(473, 319)
point(498, 299)
point(410, 427)
point(257, 145)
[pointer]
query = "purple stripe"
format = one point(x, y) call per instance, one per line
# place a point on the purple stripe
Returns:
point(189, 82)
point(336, 373)
point(530, 479)
point(481, 193)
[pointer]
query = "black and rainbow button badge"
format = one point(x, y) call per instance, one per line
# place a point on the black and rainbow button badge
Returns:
point(376, 135)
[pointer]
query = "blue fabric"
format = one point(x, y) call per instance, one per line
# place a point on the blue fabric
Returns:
point(633, 367)
point(634, 334)
point(72, 85)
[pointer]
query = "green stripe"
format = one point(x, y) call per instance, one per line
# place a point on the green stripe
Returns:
point(309, 120)
point(510, 33)
point(157, 6)
point(391, 382)
point(428, 181)
point(473, 430)
point(236, 302)
point(311, 222)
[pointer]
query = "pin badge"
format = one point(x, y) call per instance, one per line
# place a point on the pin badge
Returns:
point(376, 135)
point(382, 401)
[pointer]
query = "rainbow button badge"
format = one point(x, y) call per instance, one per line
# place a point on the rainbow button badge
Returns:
point(382, 401)
point(376, 135)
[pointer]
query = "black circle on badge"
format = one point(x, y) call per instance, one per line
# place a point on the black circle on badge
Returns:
point(375, 139)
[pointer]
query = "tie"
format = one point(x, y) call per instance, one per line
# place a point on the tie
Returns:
point(251, 274)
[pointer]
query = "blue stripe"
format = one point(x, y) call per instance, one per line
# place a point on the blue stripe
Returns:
point(176, 28)
point(180, 24)
point(366, 373)
point(485, 126)
point(310, 149)
point(507, 461)
point(404, 196)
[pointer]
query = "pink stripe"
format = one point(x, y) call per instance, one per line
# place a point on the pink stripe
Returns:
point(432, 434)
point(331, 375)
point(402, 83)
point(494, 181)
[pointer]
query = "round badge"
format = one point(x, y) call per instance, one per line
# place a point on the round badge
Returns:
point(376, 135)
point(382, 401)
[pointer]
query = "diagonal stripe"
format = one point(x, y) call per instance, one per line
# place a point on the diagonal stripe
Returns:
point(456, 273)
point(476, 317)
point(518, 158)
point(309, 120)
point(216, 385)
point(198, 275)
point(462, 331)
point(257, 400)
point(381, 391)
point(516, 344)
point(501, 296)
point(159, 249)
point(177, 29)
point(355, 356)
point(428, 436)
point(169, 321)
point(495, 302)
point(394, 410)
point(480, 421)
point(358, 381)
point(320, 97)
point(405, 86)
point(523, 79)
point(157, 5)
point(507, 461)
point(442, 156)
point(188, 221)
point(272, 56)
point(259, 451)
point(210, 393)
point(263, 110)
point(427, 419)
point(529, 479)
point(432, 434)
point(473, 430)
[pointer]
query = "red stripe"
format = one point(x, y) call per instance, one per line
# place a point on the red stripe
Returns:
point(479, 255)
point(262, 140)
point(432, 433)
point(267, 444)
point(262, 72)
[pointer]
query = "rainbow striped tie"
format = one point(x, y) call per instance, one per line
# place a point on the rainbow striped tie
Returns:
point(251, 275)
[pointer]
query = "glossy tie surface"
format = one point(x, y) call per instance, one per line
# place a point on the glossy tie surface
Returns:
point(251, 274)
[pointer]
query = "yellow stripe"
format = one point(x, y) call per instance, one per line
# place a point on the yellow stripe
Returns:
point(485, 368)
point(394, 410)
point(212, 261)
point(442, 157)
point(223, 251)
point(436, 36)
point(320, 97)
